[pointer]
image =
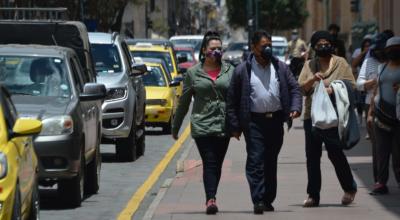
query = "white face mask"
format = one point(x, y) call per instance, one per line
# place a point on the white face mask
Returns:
point(294, 36)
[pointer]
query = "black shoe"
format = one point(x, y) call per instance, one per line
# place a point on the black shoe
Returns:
point(212, 207)
point(268, 208)
point(259, 208)
point(379, 189)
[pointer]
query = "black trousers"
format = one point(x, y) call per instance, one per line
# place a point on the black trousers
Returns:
point(264, 138)
point(212, 152)
point(387, 143)
point(314, 139)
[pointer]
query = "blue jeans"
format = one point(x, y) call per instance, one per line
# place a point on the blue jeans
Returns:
point(264, 139)
point(212, 152)
point(314, 139)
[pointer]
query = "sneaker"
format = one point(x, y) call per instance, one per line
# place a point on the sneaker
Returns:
point(367, 137)
point(259, 208)
point(310, 202)
point(379, 189)
point(212, 207)
point(348, 197)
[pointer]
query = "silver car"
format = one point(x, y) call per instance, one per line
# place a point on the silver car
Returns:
point(124, 107)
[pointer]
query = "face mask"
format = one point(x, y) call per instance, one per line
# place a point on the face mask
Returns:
point(323, 51)
point(295, 36)
point(216, 54)
point(266, 52)
point(393, 54)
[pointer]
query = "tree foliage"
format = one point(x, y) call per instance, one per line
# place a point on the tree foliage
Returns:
point(274, 15)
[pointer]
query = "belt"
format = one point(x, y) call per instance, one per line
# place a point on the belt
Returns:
point(278, 113)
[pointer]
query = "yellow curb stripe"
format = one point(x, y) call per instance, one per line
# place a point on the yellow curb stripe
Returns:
point(139, 195)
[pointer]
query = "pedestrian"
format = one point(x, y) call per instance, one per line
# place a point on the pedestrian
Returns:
point(207, 82)
point(263, 94)
point(328, 67)
point(358, 58)
point(382, 115)
point(337, 43)
point(367, 81)
point(296, 53)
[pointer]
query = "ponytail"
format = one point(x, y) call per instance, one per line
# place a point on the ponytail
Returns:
point(208, 36)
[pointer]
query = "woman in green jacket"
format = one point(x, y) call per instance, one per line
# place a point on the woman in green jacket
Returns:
point(207, 82)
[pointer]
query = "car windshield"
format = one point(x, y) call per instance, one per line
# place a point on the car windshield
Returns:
point(106, 59)
point(278, 50)
point(196, 43)
point(182, 53)
point(236, 46)
point(154, 54)
point(36, 76)
point(154, 77)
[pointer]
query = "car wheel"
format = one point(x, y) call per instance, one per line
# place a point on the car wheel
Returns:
point(16, 213)
point(167, 128)
point(141, 145)
point(93, 173)
point(71, 190)
point(35, 204)
point(126, 147)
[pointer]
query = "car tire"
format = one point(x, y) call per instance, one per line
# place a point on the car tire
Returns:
point(16, 212)
point(72, 190)
point(35, 204)
point(92, 182)
point(125, 148)
point(167, 128)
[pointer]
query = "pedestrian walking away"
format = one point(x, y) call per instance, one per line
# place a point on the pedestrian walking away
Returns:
point(207, 82)
point(327, 67)
point(263, 94)
point(382, 116)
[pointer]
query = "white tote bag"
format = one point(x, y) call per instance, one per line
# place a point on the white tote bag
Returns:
point(323, 114)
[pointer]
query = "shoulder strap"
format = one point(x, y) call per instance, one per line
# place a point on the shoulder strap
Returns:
point(380, 87)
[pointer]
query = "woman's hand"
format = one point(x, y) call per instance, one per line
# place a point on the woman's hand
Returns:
point(370, 120)
point(370, 84)
point(329, 90)
point(317, 77)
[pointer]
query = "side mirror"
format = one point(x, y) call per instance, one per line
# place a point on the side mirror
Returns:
point(182, 58)
point(138, 69)
point(26, 126)
point(92, 92)
point(174, 83)
point(178, 79)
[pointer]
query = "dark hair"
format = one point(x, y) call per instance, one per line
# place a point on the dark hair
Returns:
point(320, 35)
point(365, 41)
point(334, 27)
point(258, 35)
point(389, 33)
point(208, 36)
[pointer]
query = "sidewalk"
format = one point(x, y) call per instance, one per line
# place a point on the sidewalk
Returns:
point(184, 199)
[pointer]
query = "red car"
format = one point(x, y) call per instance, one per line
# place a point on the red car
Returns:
point(185, 57)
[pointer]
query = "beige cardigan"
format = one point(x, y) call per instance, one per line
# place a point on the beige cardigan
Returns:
point(338, 69)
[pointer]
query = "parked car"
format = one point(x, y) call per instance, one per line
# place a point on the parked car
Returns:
point(161, 97)
point(194, 40)
point(47, 83)
point(185, 56)
point(124, 107)
point(18, 163)
point(279, 47)
point(234, 52)
point(165, 52)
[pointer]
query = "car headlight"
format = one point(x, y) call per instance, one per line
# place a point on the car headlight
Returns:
point(116, 93)
point(161, 102)
point(3, 165)
point(59, 125)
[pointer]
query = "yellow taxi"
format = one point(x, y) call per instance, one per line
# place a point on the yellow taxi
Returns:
point(161, 97)
point(19, 195)
point(163, 52)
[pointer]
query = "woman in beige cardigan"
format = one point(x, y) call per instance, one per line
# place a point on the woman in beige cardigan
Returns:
point(327, 67)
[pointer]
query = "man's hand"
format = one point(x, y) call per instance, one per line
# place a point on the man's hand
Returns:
point(294, 114)
point(175, 136)
point(370, 84)
point(236, 135)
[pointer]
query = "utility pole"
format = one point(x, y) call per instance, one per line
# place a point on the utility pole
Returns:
point(250, 21)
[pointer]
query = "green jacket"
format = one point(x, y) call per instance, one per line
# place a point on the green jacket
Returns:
point(208, 113)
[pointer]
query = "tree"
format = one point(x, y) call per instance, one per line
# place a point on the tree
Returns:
point(274, 15)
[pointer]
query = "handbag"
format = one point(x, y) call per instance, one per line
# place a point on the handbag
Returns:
point(323, 114)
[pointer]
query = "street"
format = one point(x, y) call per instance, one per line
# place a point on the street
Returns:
point(118, 182)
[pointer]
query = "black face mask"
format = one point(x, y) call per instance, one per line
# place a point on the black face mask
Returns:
point(393, 54)
point(266, 52)
point(323, 51)
point(378, 54)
